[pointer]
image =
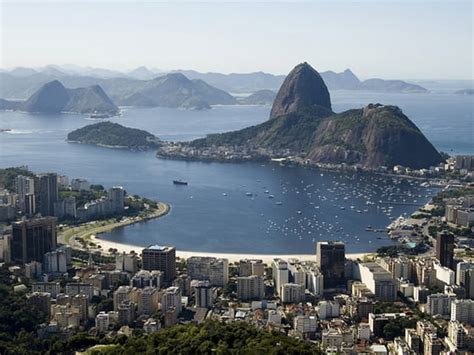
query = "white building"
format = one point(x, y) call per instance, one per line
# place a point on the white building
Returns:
point(126, 262)
point(463, 311)
point(216, 271)
point(328, 309)
point(444, 274)
point(171, 297)
point(439, 304)
point(305, 324)
point(280, 274)
point(379, 281)
point(147, 300)
point(250, 288)
point(102, 322)
point(292, 293)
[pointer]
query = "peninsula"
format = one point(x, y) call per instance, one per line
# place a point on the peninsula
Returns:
point(304, 129)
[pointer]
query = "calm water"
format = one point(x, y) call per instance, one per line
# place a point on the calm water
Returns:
point(214, 212)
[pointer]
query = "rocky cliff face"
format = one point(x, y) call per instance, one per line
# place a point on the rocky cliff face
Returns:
point(302, 88)
point(302, 124)
point(374, 136)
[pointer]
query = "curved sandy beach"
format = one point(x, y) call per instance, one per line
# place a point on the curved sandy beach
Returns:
point(233, 257)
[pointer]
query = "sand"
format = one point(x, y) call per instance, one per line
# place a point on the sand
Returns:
point(232, 257)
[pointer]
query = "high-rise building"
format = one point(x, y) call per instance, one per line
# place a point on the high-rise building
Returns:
point(5, 248)
point(126, 262)
point(145, 278)
point(292, 293)
point(171, 298)
point(33, 238)
point(330, 258)
point(249, 267)
point(378, 280)
point(117, 196)
point(445, 249)
point(102, 322)
point(46, 190)
point(203, 294)
point(281, 274)
point(120, 295)
point(147, 299)
point(215, 270)
point(25, 185)
point(163, 258)
point(56, 261)
point(463, 311)
point(250, 287)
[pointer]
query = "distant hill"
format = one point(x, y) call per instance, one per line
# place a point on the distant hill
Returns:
point(261, 97)
point(113, 135)
point(346, 80)
point(176, 90)
point(465, 92)
point(303, 125)
point(21, 83)
point(53, 97)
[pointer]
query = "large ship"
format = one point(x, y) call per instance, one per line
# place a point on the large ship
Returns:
point(180, 182)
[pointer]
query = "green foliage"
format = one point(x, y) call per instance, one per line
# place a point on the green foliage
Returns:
point(82, 196)
point(215, 337)
point(114, 135)
point(396, 327)
point(8, 176)
point(18, 320)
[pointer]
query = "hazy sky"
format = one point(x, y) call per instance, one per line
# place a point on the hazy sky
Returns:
point(388, 39)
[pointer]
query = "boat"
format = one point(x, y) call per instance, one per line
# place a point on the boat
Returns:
point(278, 203)
point(99, 115)
point(180, 182)
point(248, 194)
point(5, 129)
point(271, 196)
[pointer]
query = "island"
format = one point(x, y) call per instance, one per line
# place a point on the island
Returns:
point(113, 135)
point(54, 98)
point(303, 128)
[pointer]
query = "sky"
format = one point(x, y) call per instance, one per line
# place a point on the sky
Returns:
point(386, 39)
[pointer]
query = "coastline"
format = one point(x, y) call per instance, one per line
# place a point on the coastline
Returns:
point(86, 231)
point(232, 257)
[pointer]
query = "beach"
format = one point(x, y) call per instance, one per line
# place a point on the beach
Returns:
point(105, 245)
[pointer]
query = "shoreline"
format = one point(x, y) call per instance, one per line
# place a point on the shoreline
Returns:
point(87, 231)
point(232, 257)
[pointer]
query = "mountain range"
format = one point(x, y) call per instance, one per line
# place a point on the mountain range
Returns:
point(20, 83)
point(303, 125)
point(53, 97)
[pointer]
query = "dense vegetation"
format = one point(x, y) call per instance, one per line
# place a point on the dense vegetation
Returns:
point(209, 337)
point(374, 136)
point(8, 176)
point(19, 321)
point(114, 135)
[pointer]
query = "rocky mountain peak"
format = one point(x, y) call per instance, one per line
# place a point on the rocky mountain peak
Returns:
point(302, 88)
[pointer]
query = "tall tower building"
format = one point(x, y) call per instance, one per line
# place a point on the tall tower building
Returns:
point(47, 193)
point(330, 258)
point(163, 258)
point(117, 196)
point(25, 188)
point(445, 249)
point(33, 238)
